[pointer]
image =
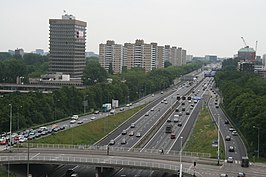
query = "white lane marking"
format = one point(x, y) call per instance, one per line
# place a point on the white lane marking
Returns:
point(34, 156)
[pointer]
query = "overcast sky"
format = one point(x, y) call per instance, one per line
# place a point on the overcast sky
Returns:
point(201, 27)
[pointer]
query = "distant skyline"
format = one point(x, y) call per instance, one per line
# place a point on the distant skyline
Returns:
point(202, 27)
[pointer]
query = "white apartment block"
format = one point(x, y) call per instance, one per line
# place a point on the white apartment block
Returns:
point(139, 54)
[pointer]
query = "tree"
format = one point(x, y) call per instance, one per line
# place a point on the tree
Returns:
point(167, 63)
point(94, 73)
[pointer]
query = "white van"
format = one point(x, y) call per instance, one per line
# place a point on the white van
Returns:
point(75, 117)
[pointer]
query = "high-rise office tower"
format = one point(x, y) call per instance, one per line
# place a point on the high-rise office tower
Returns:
point(67, 46)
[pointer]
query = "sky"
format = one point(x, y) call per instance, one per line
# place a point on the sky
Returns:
point(202, 27)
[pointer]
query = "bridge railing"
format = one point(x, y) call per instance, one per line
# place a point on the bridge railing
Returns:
point(55, 158)
point(115, 149)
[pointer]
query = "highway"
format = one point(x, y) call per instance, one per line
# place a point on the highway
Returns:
point(154, 118)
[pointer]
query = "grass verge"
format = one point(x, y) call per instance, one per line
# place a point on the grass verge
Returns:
point(203, 134)
point(89, 133)
point(3, 173)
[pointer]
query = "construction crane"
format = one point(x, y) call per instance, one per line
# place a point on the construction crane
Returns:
point(244, 41)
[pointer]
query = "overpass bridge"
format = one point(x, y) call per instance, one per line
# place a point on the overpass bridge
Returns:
point(103, 157)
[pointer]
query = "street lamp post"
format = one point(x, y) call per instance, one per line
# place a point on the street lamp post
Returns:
point(258, 140)
point(218, 151)
point(18, 117)
point(10, 127)
point(85, 103)
point(28, 159)
point(180, 159)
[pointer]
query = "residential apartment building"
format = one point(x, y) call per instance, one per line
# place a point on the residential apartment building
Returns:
point(183, 57)
point(138, 54)
point(67, 46)
point(264, 59)
point(111, 56)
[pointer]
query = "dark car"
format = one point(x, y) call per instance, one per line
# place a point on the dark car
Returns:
point(69, 172)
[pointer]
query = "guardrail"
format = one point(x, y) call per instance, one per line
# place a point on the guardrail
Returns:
point(112, 149)
point(101, 161)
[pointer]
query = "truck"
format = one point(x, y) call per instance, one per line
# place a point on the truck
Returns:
point(168, 128)
point(106, 107)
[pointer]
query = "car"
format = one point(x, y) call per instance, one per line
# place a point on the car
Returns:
point(69, 172)
point(73, 121)
point(215, 143)
point(152, 95)
point(112, 111)
point(180, 113)
point(22, 140)
point(241, 174)
point(176, 120)
point(228, 138)
point(131, 133)
point(62, 127)
point(147, 114)
point(176, 110)
point(122, 109)
point(226, 121)
point(112, 142)
point(80, 122)
point(132, 125)
point(183, 103)
point(168, 120)
point(230, 159)
point(96, 112)
point(216, 106)
point(138, 134)
point(165, 102)
point(127, 105)
point(231, 129)
point(152, 109)
point(187, 113)
point(179, 124)
point(223, 175)
point(161, 92)
point(74, 175)
point(234, 133)
point(172, 136)
point(183, 109)
point(124, 132)
point(162, 101)
point(93, 117)
point(231, 149)
point(124, 141)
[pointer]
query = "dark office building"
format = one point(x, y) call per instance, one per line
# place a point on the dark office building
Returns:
point(67, 46)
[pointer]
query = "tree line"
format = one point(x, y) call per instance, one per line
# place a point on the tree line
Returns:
point(36, 108)
point(244, 99)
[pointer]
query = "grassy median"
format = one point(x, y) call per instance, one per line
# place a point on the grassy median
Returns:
point(203, 134)
point(3, 173)
point(89, 133)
